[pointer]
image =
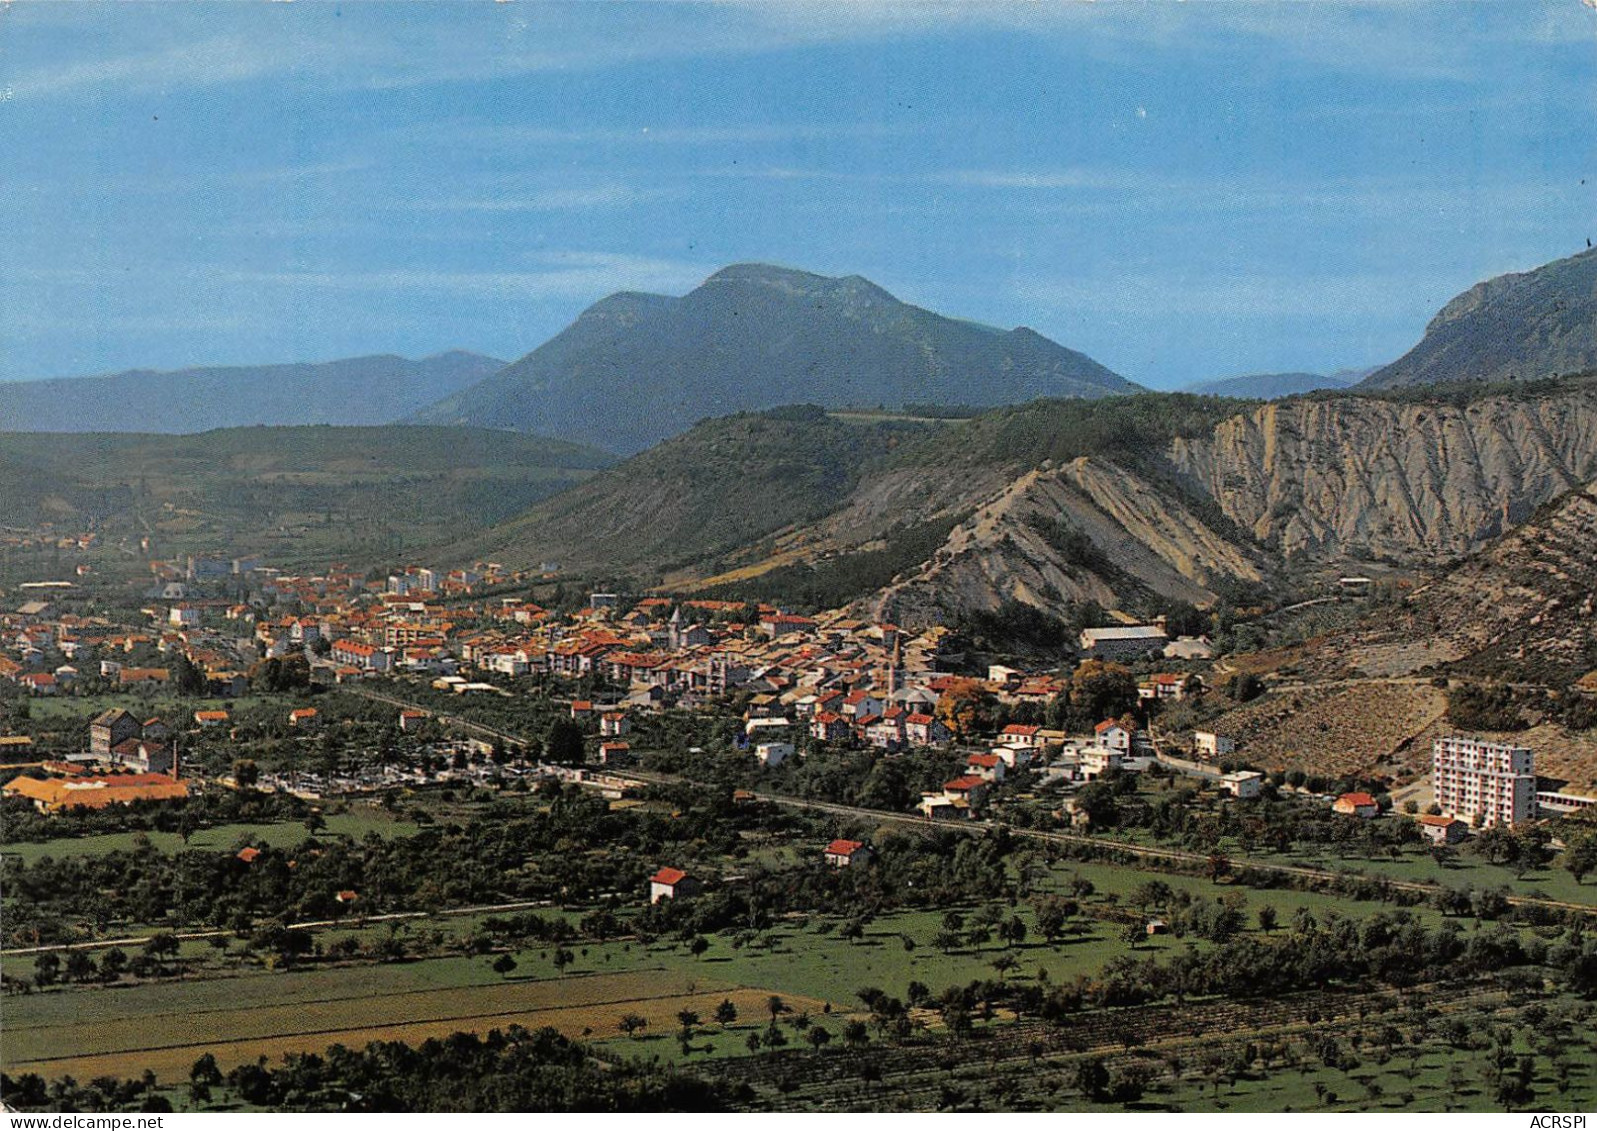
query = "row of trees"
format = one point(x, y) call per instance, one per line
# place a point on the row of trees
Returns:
point(510, 1070)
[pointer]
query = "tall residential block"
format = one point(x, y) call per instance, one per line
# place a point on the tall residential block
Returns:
point(1489, 783)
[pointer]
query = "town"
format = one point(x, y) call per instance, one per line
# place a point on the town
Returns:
point(365, 709)
point(815, 559)
point(798, 680)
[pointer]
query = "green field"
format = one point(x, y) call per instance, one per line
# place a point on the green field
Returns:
point(1467, 871)
point(803, 958)
point(355, 824)
point(231, 1002)
point(1416, 865)
point(330, 1010)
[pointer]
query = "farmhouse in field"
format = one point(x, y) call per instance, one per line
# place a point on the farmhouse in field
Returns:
point(1442, 830)
point(1243, 784)
point(672, 883)
point(1356, 805)
point(846, 853)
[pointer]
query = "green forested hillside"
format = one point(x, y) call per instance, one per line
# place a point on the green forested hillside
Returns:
point(300, 494)
point(1063, 430)
point(717, 488)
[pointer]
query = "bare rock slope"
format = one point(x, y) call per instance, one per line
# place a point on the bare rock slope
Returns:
point(1052, 503)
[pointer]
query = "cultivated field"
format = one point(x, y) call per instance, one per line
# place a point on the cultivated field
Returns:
point(168, 1042)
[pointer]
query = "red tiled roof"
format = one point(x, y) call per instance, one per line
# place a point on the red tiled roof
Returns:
point(668, 876)
point(842, 847)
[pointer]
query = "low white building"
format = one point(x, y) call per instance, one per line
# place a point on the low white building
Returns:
point(1243, 784)
point(1015, 757)
point(773, 753)
point(1189, 648)
point(1208, 744)
point(763, 728)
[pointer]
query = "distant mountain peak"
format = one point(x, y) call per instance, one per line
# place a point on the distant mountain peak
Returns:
point(764, 273)
point(626, 305)
point(634, 369)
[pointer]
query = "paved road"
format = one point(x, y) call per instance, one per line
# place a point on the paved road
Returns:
point(441, 716)
point(978, 827)
point(1146, 852)
point(309, 924)
point(880, 816)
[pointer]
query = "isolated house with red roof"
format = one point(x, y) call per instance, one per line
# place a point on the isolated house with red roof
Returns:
point(1357, 805)
point(846, 853)
point(988, 767)
point(672, 883)
point(1442, 830)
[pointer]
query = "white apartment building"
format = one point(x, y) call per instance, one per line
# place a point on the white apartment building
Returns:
point(1489, 783)
point(1093, 762)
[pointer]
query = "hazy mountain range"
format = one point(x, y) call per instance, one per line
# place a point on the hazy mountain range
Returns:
point(360, 390)
point(1273, 386)
point(1072, 498)
point(635, 368)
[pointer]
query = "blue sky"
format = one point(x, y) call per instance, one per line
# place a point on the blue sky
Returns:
point(1182, 191)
